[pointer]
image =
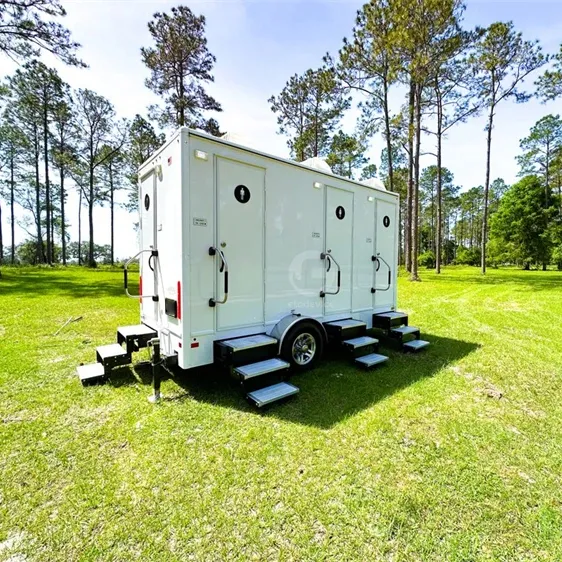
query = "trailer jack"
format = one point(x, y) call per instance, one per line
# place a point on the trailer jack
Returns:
point(156, 363)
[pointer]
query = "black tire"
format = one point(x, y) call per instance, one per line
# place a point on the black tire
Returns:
point(302, 335)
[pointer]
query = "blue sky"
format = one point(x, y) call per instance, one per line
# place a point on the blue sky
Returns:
point(258, 46)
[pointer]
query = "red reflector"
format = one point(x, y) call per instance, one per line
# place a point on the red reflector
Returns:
point(179, 300)
point(179, 343)
point(169, 160)
point(140, 288)
point(195, 344)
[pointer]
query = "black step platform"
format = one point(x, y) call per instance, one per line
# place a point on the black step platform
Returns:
point(135, 337)
point(371, 360)
point(345, 329)
point(415, 345)
point(112, 355)
point(388, 320)
point(245, 350)
point(92, 373)
point(271, 394)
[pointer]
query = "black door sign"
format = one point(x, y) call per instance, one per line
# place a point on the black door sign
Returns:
point(386, 221)
point(242, 194)
point(340, 212)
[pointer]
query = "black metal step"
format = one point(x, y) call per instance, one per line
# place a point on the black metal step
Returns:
point(271, 394)
point(345, 329)
point(260, 368)
point(92, 373)
point(371, 360)
point(415, 345)
point(405, 331)
point(363, 345)
point(246, 350)
point(388, 320)
point(112, 355)
point(135, 337)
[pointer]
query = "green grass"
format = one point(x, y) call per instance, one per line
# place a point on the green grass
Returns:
point(416, 461)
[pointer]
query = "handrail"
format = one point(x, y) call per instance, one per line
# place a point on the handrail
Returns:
point(378, 259)
point(153, 253)
point(328, 256)
point(223, 268)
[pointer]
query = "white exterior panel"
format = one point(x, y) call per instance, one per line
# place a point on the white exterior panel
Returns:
point(272, 219)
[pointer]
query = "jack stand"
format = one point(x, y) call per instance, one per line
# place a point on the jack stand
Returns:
point(155, 361)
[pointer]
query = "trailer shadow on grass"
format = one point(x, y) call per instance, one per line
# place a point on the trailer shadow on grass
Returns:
point(336, 389)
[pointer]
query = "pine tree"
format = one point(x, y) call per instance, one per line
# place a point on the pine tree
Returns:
point(347, 154)
point(308, 109)
point(30, 26)
point(180, 63)
point(501, 61)
point(539, 148)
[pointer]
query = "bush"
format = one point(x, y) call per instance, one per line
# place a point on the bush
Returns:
point(468, 256)
point(427, 259)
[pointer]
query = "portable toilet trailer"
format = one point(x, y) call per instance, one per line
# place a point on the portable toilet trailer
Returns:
point(258, 262)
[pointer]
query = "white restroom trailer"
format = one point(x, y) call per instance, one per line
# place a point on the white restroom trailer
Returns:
point(242, 252)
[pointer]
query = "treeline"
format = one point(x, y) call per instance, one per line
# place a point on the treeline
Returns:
point(448, 75)
point(54, 139)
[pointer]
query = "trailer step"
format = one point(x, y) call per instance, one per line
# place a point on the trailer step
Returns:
point(112, 355)
point(272, 393)
point(135, 337)
point(345, 329)
point(92, 373)
point(261, 368)
point(388, 320)
point(248, 342)
point(361, 341)
point(405, 331)
point(246, 350)
point(415, 345)
point(371, 360)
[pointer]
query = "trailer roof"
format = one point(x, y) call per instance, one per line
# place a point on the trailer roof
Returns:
point(212, 138)
point(220, 140)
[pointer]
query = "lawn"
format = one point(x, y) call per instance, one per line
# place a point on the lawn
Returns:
point(454, 454)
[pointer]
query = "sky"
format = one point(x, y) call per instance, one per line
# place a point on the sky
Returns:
point(259, 45)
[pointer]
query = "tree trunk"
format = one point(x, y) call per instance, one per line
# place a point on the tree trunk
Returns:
point(388, 135)
point(487, 188)
point(12, 210)
point(415, 204)
point(40, 250)
point(410, 192)
point(47, 186)
point(80, 228)
point(111, 206)
point(91, 261)
point(547, 184)
point(63, 225)
point(1, 239)
point(439, 240)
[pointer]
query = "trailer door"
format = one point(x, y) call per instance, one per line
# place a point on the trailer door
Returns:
point(240, 236)
point(339, 244)
point(148, 264)
point(385, 251)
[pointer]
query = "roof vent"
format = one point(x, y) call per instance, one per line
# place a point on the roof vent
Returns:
point(318, 164)
point(375, 183)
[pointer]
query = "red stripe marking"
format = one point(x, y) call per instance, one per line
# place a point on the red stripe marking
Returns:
point(179, 300)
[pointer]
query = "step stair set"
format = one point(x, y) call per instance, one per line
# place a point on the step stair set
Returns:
point(254, 361)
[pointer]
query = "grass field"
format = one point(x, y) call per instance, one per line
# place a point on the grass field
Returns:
point(454, 454)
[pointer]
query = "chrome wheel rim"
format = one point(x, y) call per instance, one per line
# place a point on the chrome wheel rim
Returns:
point(304, 349)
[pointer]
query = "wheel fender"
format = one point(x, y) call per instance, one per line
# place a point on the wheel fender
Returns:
point(281, 329)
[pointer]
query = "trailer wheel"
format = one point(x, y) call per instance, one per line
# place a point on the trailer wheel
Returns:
point(303, 346)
